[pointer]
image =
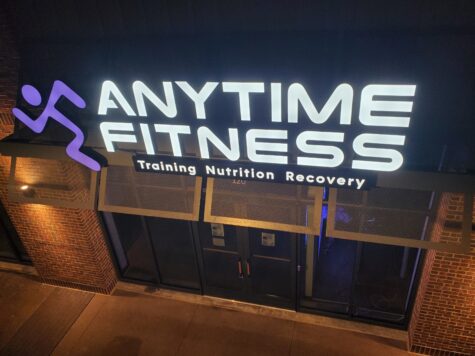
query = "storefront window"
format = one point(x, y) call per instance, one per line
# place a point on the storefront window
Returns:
point(340, 274)
point(154, 250)
point(6, 249)
point(11, 248)
point(383, 280)
point(359, 279)
point(131, 245)
point(173, 245)
point(328, 280)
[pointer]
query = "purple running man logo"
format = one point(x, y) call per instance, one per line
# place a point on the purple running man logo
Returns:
point(33, 97)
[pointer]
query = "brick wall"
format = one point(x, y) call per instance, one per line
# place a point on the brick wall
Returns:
point(9, 64)
point(443, 320)
point(67, 246)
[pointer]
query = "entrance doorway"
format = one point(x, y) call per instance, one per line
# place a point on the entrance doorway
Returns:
point(249, 264)
point(252, 265)
point(351, 279)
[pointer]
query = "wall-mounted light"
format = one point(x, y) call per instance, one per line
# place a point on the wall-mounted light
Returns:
point(28, 191)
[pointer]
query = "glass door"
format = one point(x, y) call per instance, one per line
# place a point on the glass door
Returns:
point(271, 267)
point(255, 265)
point(222, 260)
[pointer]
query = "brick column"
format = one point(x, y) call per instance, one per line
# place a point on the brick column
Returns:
point(443, 318)
point(67, 246)
point(9, 64)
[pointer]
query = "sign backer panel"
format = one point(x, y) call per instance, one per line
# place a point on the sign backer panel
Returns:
point(290, 174)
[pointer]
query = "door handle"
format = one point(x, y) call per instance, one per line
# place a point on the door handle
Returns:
point(248, 268)
point(241, 275)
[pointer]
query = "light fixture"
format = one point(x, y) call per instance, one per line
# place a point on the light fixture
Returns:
point(28, 191)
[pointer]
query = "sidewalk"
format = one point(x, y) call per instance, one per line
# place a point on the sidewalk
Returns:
point(38, 319)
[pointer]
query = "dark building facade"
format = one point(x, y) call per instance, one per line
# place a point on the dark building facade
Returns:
point(392, 246)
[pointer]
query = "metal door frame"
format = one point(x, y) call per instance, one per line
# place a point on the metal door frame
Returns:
point(243, 251)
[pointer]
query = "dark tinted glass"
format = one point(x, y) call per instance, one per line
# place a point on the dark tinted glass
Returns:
point(332, 275)
point(363, 280)
point(11, 247)
point(271, 266)
point(131, 240)
point(383, 280)
point(222, 262)
point(6, 248)
point(173, 245)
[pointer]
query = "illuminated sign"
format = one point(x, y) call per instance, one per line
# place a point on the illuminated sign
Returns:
point(247, 150)
point(33, 97)
point(381, 106)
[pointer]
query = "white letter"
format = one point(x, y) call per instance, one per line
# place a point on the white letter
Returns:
point(174, 131)
point(106, 127)
point(147, 139)
point(394, 156)
point(141, 90)
point(243, 89)
point(205, 134)
point(210, 170)
point(359, 183)
point(276, 101)
point(198, 98)
point(105, 101)
point(297, 94)
point(368, 105)
point(253, 146)
point(337, 155)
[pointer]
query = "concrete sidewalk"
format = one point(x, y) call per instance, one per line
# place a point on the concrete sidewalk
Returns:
point(38, 319)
